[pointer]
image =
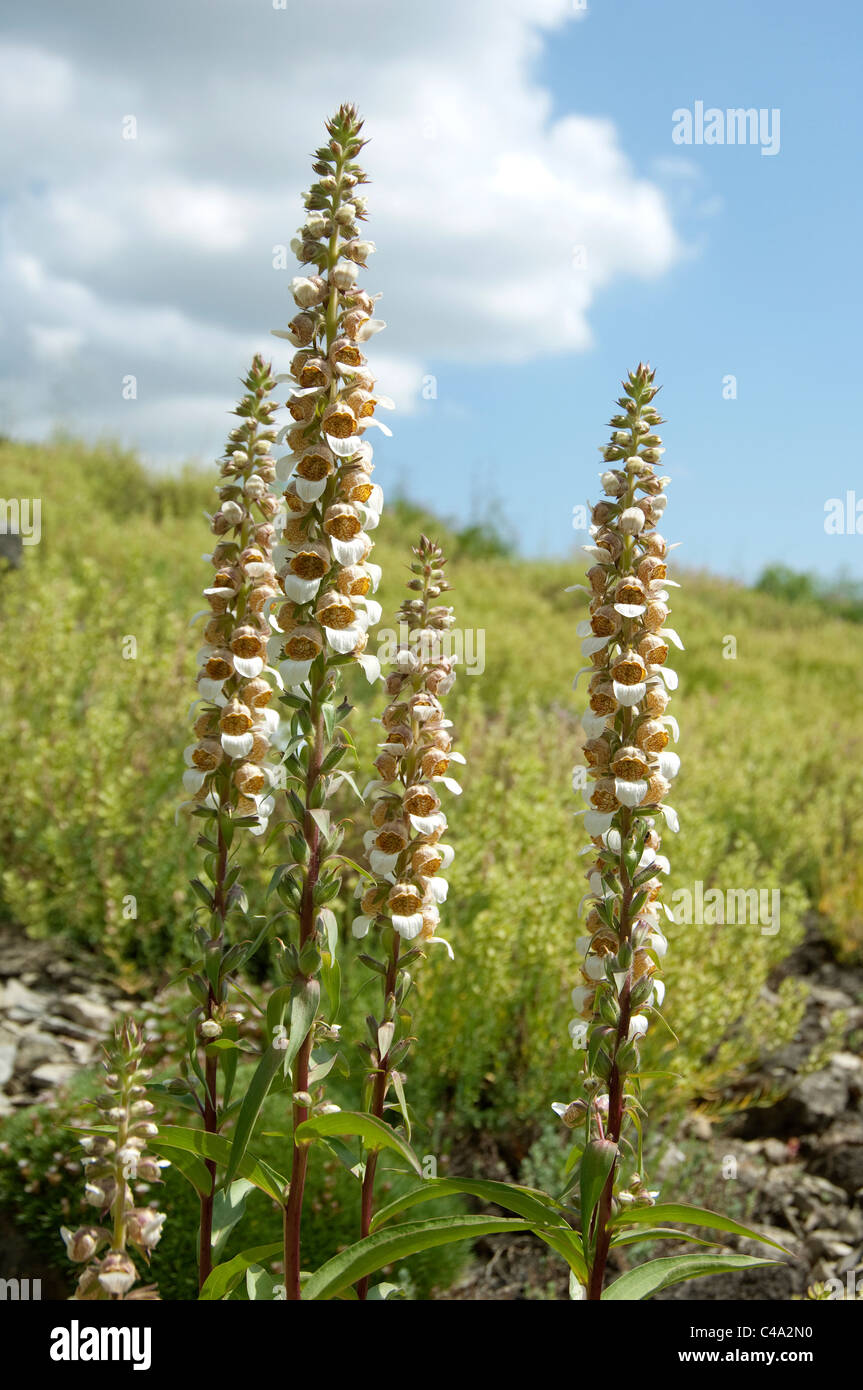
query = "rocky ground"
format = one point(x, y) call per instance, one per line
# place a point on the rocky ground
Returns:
point(795, 1167)
point(55, 1013)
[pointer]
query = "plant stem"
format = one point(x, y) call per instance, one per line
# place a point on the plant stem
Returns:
point(615, 1102)
point(299, 1165)
point(379, 1096)
point(615, 1085)
point(211, 1076)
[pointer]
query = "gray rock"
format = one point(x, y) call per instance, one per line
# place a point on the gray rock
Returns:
point(83, 1052)
point(775, 1152)
point(847, 1062)
point(838, 1155)
point(827, 1244)
point(7, 1061)
point(834, 1000)
point(89, 1012)
point(19, 1001)
point(54, 1073)
point(815, 1100)
point(34, 1049)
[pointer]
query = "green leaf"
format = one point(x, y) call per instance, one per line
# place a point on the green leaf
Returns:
point(597, 1162)
point(331, 975)
point(343, 776)
point(251, 1107)
point(229, 1205)
point(260, 1284)
point(318, 1070)
point(527, 1202)
point(203, 893)
point(696, 1216)
point(402, 1099)
point(352, 864)
point(374, 1134)
point(304, 1006)
point(657, 1233)
point(218, 1148)
point(187, 1102)
point(649, 1278)
point(386, 1247)
point(191, 1167)
point(226, 1277)
point(572, 1158)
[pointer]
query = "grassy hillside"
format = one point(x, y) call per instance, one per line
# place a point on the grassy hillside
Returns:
point(770, 792)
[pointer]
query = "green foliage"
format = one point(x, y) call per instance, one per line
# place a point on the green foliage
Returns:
point(769, 792)
point(650, 1278)
point(41, 1188)
point(842, 597)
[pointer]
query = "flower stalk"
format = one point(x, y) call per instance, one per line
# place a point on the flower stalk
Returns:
point(404, 849)
point(327, 580)
point(111, 1164)
point(629, 771)
point(229, 774)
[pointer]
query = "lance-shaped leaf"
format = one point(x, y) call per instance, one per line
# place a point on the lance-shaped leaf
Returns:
point(597, 1162)
point(649, 1278)
point(304, 1001)
point(229, 1206)
point(550, 1221)
point(524, 1201)
point(374, 1134)
point(217, 1148)
point(696, 1216)
point(225, 1277)
point(385, 1247)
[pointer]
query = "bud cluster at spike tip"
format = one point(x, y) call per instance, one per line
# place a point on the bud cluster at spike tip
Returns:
point(626, 640)
point(227, 766)
point(331, 502)
point(404, 848)
point(114, 1165)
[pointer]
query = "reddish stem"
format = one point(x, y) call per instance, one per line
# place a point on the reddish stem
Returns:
point(615, 1094)
point(211, 1076)
point(379, 1096)
point(300, 1161)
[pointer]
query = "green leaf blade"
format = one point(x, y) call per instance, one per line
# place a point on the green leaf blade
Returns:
point(695, 1216)
point(387, 1246)
point(648, 1279)
point(374, 1134)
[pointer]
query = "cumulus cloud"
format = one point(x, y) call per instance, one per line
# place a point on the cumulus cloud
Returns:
point(156, 255)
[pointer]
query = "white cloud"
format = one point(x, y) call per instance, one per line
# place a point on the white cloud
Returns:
point(497, 222)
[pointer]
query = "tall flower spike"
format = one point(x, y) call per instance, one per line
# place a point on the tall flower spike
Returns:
point(629, 771)
point(332, 504)
point(404, 848)
point(327, 579)
point(228, 773)
point(227, 766)
point(111, 1164)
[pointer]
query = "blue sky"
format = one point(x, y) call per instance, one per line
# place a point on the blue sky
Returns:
point(770, 293)
point(504, 135)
